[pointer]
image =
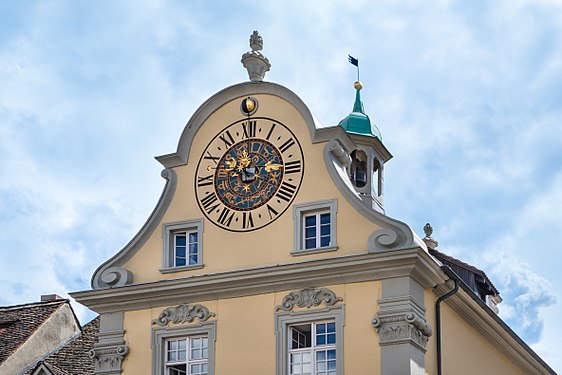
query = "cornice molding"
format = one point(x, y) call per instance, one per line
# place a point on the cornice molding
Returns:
point(414, 262)
point(477, 314)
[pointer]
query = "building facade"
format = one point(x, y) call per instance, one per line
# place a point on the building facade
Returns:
point(269, 252)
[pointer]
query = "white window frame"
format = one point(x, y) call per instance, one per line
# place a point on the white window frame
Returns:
point(169, 233)
point(300, 211)
point(285, 320)
point(188, 361)
point(161, 336)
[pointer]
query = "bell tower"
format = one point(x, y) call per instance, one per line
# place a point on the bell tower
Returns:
point(366, 170)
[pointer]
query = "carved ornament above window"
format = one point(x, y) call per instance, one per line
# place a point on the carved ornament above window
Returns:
point(183, 314)
point(308, 297)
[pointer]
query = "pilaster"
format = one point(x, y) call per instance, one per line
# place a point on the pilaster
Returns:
point(402, 328)
point(110, 350)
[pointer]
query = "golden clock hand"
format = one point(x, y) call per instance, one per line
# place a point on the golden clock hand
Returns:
point(269, 166)
point(230, 165)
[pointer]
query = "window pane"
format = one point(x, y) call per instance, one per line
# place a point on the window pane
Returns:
point(180, 239)
point(325, 219)
point(321, 340)
point(193, 259)
point(331, 327)
point(325, 230)
point(310, 232)
point(310, 221)
point(320, 328)
point(180, 252)
point(182, 344)
point(177, 370)
point(180, 262)
point(193, 237)
point(331, 338)
point(324, 241)
point(181, 355)
point(310, 244)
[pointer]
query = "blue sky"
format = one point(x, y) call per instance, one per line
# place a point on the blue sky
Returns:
point(467, 96)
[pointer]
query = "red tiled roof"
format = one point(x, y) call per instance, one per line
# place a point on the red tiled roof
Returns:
point(18, 322)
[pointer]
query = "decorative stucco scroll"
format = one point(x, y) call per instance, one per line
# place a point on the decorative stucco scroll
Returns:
point(395, 326)
point(116, 276)
point(383, 239)
point(308, 297)
point(108, 359)
point(183, 314)
point(336, 149)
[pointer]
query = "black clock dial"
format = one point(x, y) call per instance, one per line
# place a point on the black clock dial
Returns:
point(249, 174)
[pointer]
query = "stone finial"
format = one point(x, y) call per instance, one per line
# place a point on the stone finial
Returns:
point(254, 61)
point(428, 240)
point(256, 41)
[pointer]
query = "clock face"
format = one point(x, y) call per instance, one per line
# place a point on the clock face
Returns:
point(249, 174)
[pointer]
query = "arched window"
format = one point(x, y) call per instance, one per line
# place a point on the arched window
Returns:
point(358, 168)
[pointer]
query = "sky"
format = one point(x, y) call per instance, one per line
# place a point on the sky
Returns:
point(467, 96)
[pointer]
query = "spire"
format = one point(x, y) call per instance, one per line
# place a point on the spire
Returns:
point(357, 122)
point(254, 61)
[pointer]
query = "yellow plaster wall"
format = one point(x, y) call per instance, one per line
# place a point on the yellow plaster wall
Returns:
point(245, 332)
point(464, 350)
point(224, 250)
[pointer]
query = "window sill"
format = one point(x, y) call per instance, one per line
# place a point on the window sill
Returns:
point(183, 268)
point(314, 251)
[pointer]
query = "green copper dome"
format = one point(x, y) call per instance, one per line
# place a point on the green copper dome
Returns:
point(358, 122)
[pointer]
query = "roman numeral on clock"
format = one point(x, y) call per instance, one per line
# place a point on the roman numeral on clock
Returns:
point(247, 221)
point(205, 181)
point(211, 157)
point(227, 142)
point(293, 166)
point(286, 191)
point(249, 128)
point(270, 132)
point(271, 211)
point(285, 146)
point(225, 218)
point(208, 201)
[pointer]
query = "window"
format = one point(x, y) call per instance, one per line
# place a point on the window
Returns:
point(312, 348)
point(315, 227)
point(182, 245)
point(184, 350)
point(310, 342)
point(186, 249)
point(316, 230)
point(358, 168)
point(187, 355)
